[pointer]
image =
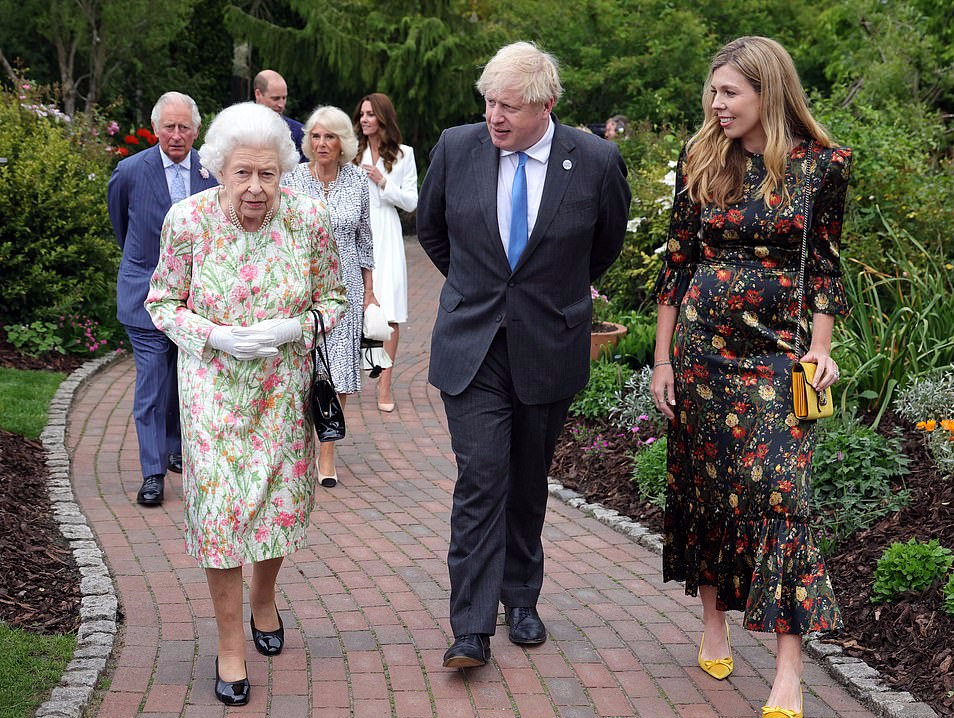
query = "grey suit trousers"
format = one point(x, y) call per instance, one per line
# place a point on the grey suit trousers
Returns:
point(504, 449)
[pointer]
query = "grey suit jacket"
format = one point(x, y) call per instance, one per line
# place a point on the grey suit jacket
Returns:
point(546, 301)
point(138, 199)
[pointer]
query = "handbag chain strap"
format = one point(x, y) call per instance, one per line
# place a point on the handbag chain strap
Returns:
point(802, 260)
point(319, 322)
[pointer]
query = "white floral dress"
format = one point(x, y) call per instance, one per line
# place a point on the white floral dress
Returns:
point(249, 470)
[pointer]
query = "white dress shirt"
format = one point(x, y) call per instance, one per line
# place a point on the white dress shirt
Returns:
point(537, 157)
point(170, 168)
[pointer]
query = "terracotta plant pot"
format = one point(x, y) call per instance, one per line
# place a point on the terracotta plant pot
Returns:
point(605, 339)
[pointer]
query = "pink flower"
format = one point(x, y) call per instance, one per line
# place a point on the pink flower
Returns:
point(248, 272)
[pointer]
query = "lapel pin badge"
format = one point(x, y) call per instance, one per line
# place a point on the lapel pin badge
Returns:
point(567, 164)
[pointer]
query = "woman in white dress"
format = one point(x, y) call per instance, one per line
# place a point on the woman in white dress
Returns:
point(330, 145)
point(392, 175)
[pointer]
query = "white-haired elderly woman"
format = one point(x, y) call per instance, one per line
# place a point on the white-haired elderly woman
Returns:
point(241, 266)
point(330, 145)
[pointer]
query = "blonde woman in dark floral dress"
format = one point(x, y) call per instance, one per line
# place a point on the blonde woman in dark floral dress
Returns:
point(739, 462)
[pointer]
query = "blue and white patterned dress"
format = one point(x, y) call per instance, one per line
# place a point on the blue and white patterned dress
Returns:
point(349, 204)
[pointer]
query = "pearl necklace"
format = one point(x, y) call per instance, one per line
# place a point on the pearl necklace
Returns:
point(234, 219)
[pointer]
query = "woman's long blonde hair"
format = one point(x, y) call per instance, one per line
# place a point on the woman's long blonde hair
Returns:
point(715, 164)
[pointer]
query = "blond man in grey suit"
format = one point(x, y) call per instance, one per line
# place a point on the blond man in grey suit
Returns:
point(521, 214)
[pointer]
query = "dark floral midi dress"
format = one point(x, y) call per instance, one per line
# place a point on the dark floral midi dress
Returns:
point(739, 462)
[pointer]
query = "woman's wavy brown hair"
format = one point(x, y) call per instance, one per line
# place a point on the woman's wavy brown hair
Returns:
point(715, 164)
point(390, 147)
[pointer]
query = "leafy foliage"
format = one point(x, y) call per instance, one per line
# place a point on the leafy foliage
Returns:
point(926, 398)
point(909, 568)
point(948, 606)
point(901, 324)
point(649, 472)
point(854, 469)
point(56, 246)
point(599, 395)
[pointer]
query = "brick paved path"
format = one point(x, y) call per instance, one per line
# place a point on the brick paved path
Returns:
point(365, 606)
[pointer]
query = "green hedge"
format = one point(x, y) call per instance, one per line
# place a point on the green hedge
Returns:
point(57, 249)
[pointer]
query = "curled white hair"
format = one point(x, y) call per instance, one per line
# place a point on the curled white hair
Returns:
point(247, 125)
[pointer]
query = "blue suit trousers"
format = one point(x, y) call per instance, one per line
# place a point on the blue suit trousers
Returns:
point(156, 401)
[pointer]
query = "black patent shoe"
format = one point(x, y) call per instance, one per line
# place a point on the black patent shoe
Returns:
point(468, 651)
point(151, 491)
point(175, 463)
point(268, 643)
point(231, 693)
point(526, 626)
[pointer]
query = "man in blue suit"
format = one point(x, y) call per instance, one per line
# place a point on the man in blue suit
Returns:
point(141, 190)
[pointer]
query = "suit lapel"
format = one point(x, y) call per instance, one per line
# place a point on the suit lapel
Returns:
point(157, 177)
point(484, 161)
point(560, 168)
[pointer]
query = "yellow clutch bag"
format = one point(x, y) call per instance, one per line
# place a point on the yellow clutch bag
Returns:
point(809, 404)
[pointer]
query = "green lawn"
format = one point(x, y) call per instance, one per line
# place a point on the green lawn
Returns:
point(24, 399)
point(30, 664)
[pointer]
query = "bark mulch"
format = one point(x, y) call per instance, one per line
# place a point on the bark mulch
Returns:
point(911, 642)
point(39, 580)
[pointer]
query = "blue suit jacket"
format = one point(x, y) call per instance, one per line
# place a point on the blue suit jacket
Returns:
point(138, 199)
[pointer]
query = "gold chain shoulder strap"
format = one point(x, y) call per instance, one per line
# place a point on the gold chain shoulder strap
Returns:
point(807, 178)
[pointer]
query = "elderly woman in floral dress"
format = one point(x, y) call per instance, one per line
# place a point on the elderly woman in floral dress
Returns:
point(240, 269)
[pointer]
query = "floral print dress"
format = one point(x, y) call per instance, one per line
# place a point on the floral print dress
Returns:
point(739, 462)
point(249, 469)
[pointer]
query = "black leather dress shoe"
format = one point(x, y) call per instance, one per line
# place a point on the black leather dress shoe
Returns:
point(468, 651)
point(151, 491)
point(231, 693)
point(268, 643)
point(526, 627)
point(175, 463)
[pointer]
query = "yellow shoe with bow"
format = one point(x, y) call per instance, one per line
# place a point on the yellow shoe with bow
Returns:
point(776, 712)
point(720, 668)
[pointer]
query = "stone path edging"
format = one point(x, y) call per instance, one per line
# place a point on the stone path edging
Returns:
point(861, 680)
point(97, 631)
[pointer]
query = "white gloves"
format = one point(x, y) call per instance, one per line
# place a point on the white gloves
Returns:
point(271, 332)
point(228, 340)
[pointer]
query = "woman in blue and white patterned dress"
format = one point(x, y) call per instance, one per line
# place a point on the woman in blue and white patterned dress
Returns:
point(330, 145)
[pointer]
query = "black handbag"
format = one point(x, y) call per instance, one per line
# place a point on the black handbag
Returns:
point(323, 405)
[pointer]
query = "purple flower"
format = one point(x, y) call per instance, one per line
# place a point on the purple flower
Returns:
point(112, 128)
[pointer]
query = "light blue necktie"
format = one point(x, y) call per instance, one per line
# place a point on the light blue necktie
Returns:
point(518, 211)
point(178, 191)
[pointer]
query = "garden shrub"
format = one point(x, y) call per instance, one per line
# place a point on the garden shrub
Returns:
point(57, 249)
point(900, 323)
point(599, 395)
point(853, 470)
point(909, 567)
point(649, 472)
point(928, 403)
point(633, 406)
point(636, 348)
